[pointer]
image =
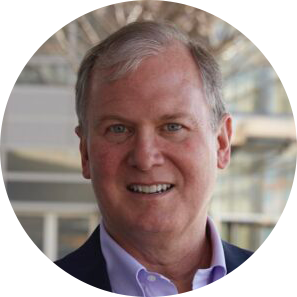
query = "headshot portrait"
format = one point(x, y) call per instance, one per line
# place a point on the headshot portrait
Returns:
point(148, 148)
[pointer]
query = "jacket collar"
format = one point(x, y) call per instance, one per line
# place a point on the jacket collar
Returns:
point(234, 256)
point(98, 272)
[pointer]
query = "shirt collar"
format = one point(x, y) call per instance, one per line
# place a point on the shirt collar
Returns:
point(217, 267)
point(123, 269)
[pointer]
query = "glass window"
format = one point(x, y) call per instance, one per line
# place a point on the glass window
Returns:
point(34, 228)
point(247, 236)
point(43, 161)
point(73, 232)
point(50, 192)
point(47, 74)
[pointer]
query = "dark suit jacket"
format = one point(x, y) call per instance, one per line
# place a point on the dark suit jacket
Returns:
point(88, 265)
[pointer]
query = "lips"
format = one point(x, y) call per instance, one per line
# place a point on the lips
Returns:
point(150, 189)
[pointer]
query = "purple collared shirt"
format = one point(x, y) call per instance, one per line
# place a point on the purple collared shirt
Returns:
point(128, 277)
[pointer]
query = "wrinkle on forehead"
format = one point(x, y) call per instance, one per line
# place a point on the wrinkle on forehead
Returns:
point(174, 67)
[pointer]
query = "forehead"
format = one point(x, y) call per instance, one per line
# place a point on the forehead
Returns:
point(176, 55)
point(169, 81)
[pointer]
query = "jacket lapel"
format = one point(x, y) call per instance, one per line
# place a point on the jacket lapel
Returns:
point(234, 256)
point(97, 272)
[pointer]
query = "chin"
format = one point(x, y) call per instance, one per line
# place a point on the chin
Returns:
point(155, 225)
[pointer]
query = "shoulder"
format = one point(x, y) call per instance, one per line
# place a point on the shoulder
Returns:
point(87, 263)
point(80, 258)
point(234, 256)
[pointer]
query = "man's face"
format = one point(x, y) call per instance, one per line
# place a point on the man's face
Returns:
point(149, 149)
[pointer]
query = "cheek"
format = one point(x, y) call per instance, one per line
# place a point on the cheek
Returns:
point(104, 162)
point(198, 160)
point(195, 152)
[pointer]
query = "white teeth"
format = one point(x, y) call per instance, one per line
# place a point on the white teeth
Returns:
point(150, 189)
point(153, 189)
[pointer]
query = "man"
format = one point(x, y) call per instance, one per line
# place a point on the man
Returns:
point(153, 131)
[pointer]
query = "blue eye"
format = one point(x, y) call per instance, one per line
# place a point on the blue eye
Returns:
point(173, 127)
point(118, 129)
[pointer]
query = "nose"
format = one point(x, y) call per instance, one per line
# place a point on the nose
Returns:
point(145, 153)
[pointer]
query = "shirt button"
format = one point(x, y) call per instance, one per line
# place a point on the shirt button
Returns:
point(151, 278)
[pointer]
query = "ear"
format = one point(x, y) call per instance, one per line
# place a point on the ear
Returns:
point(224, 134)
point(83, 152)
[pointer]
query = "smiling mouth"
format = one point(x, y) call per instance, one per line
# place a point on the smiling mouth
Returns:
point(152, 189)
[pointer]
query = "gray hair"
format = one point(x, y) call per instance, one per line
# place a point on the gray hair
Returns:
point(125, 49)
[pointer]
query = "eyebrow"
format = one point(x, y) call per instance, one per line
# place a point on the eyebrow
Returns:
point(111, 117)
point(163, 118)
point(180, 115)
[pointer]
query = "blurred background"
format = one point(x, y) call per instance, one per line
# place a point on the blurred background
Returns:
point(39, 149)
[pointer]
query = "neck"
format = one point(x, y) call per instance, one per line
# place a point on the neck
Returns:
point(176, 257)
